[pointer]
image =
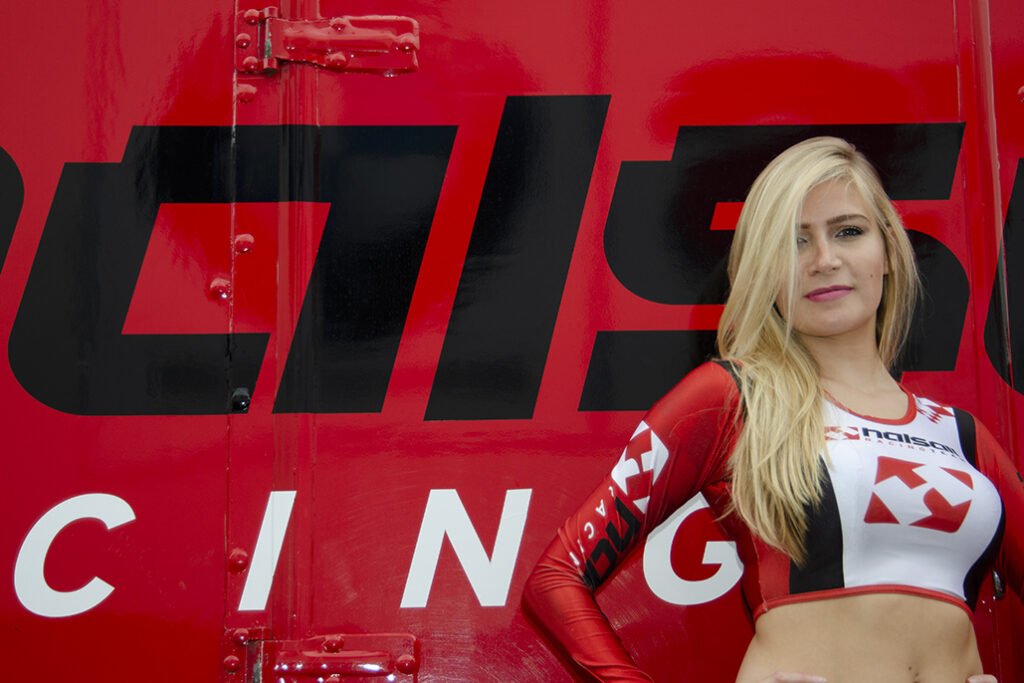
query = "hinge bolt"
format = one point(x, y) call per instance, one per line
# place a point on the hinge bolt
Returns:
point(251, 16)
point(333, 644)
point(407, 664)
point(338, 24)
point(240, 636)
point(250, 64)
point(336, 61)
point(243, 40)
point(245, 93)
point(232, 663)
point(238, 560)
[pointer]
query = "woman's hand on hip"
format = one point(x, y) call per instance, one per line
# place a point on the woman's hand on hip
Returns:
point(982, 678)
point(781, 677)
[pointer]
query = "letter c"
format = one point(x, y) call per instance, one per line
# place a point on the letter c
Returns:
point(30, 583)
point(670, 587)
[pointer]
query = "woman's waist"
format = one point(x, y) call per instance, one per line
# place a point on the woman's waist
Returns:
point(894, 637)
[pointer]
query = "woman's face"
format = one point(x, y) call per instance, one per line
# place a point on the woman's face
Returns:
point(841, 262)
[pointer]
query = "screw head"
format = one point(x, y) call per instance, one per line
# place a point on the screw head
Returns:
point(240, 400)
point(240, 636)
point(407, 664)
point(338, 24)
point(251, 16)
point(250, 64)
point(238, 560)
point(243, 40)
point(244, 241)
point(333, 644)
point(220, 288)
point(336, 60)
point(232, 663)
point(245, 92)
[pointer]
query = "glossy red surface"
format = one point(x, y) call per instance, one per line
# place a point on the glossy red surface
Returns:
point(366, 480)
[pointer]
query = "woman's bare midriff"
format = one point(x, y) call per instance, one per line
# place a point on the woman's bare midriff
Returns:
point(865, 638)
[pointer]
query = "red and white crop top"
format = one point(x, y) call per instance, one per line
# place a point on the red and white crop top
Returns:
point(912, 505)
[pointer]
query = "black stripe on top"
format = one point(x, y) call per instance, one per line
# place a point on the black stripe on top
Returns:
point(969, 447)
point(823, 568)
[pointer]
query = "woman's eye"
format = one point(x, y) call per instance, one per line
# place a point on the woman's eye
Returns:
point(850, 231)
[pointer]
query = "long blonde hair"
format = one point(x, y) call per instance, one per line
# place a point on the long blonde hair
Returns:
point(775, 463)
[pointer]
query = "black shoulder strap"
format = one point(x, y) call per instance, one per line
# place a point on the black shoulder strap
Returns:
point(968, 438)
point(730, 367)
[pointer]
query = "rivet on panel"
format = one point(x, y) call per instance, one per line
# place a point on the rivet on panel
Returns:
point(240, 400)
point(336, 61)
point(220, 288)
point(243, 40)
point(232, 663)
point(407, 664)
point(404, 45)
point(333, 644)
point(238, 560)
point(244, 243)
point(240, 636)
point(245, 92)
point(250, 64)
point(251, 16)
point(338, 24)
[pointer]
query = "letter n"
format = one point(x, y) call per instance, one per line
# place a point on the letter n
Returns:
point(489, 577)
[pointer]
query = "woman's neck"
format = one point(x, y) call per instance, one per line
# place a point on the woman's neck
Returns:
point(854, 364)
point(852, 374)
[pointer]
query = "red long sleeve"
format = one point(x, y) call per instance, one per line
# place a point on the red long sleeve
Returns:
point(680, 447)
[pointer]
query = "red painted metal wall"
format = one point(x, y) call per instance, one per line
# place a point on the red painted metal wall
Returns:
point(389, 331)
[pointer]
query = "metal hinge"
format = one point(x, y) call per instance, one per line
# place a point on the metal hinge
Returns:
point(383, 45)
point(334, 658)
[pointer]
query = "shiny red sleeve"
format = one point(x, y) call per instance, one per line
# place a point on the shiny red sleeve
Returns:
point(681, 446)
point(997, 466)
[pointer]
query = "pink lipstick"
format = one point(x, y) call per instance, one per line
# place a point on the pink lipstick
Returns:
point(828, 293)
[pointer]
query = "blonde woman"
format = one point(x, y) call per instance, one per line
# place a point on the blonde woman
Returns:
point(813, 457)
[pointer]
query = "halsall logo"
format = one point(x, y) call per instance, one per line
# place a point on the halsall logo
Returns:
point(833, 433)
point(921, 495)
point(909, 439)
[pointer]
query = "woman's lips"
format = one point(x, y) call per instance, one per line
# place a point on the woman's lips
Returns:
point(828, 293)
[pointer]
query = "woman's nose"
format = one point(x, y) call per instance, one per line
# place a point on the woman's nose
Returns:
point(825, 256)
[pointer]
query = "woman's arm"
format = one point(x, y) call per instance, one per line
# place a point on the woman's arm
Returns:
point(997, 466)
point(681, 445)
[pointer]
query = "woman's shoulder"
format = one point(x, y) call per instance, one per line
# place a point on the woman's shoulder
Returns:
point(712, 385)
point(937, 409)
point(976, 441)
